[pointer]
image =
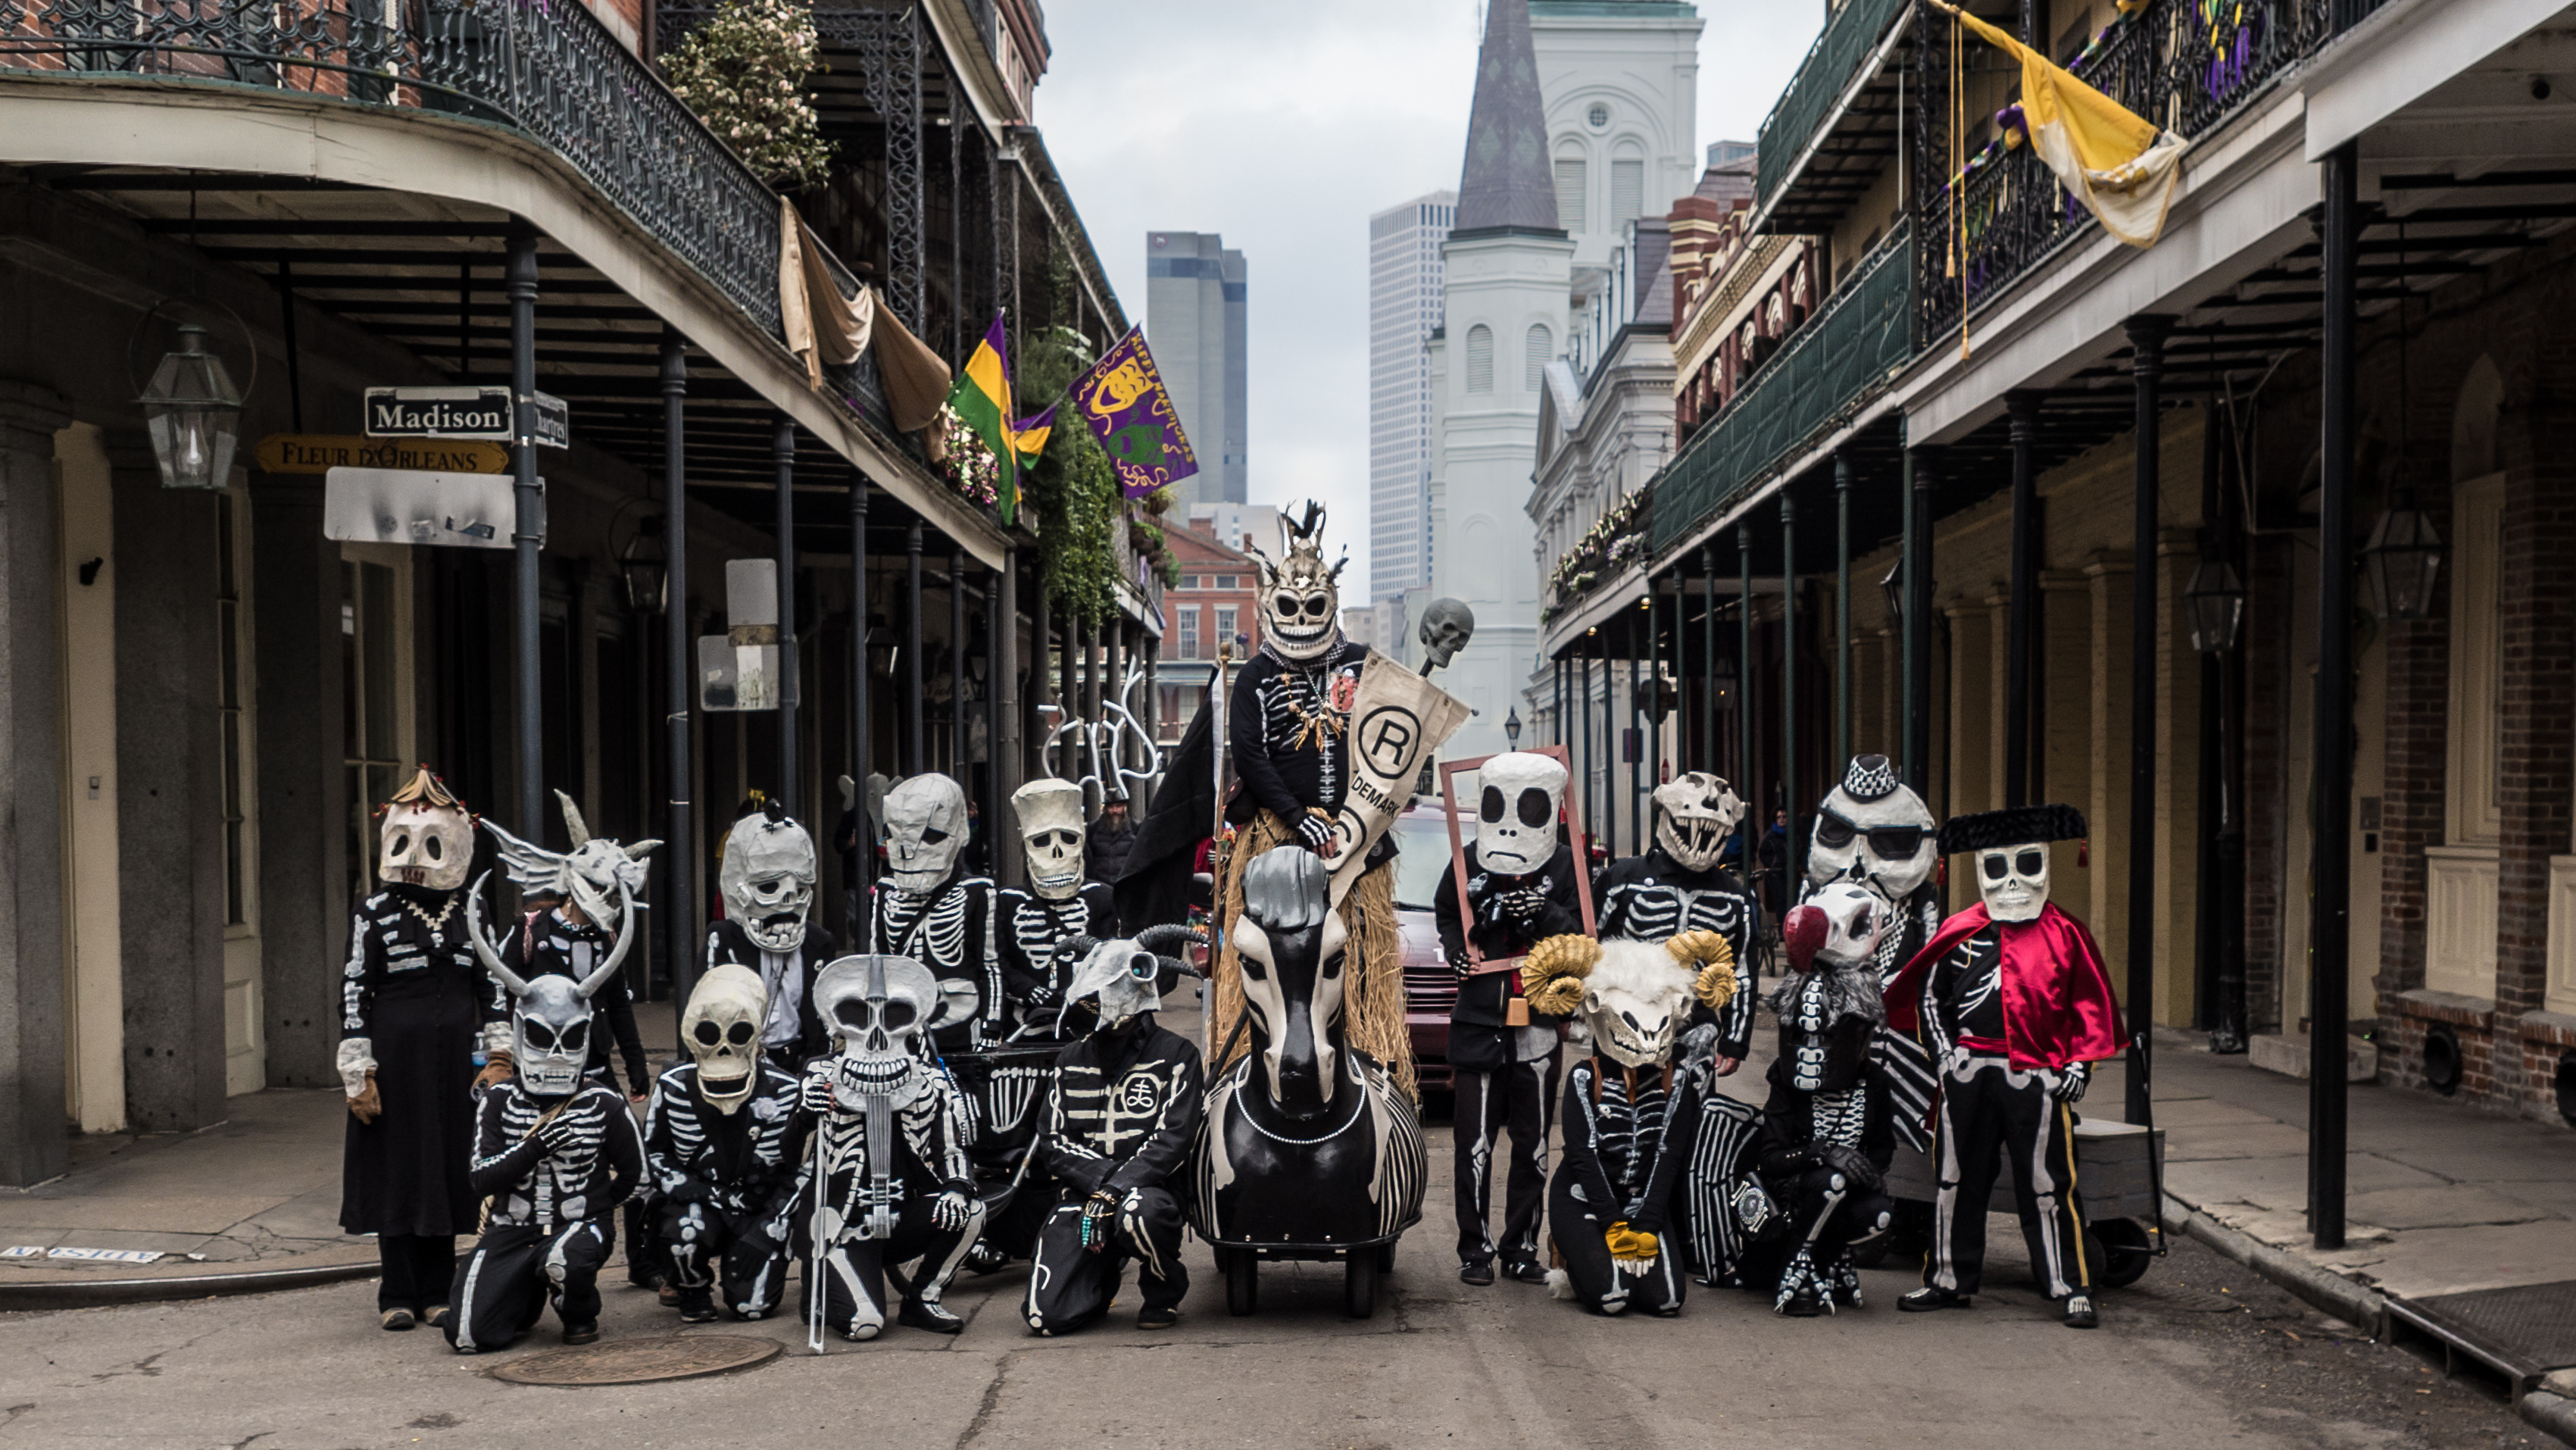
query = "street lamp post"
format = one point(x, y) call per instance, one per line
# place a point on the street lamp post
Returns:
point(193, 413)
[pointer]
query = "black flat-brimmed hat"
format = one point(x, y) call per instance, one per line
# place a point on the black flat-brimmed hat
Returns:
point(2018, 826)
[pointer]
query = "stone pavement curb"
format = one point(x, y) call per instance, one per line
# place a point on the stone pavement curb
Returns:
point(2552, 1415)
point(69, 1293)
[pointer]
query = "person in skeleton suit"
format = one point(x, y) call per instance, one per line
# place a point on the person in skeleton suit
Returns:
point(896, 1188)
point(575, 912)
point(725, 1141)
point(1825, 1143)
point(1678, 886)
point(768, 883)
point(1874, 832)
point(1521, 889)
point(1631, 1113)
point(1058, 906)
point(555, 1151)
point(410, 1011)
point(2016, 1003)
point(1287, 721)
point(929, 910)
point(1121, 1117)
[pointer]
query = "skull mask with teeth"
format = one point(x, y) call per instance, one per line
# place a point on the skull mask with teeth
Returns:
point(598, 875)
point(1051, 834)
point(925, 823)
point(1516, 819)
point(549, 1014)
point(1695, 813)
point(879, 1010)
point(2011, 850)
point(1301, 601)
point(428, 836)
point(768, 879)
point(722, 1031)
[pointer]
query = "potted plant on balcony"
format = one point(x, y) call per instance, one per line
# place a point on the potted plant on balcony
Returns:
point(744, 72)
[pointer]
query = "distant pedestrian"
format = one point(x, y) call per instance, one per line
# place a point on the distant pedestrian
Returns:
point(1110, 838)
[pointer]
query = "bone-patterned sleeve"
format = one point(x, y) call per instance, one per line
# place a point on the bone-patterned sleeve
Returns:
point(1160, 1156)
point(625, 1149)
point(1060, 1151)
point(500, 1158)
point(955, 1133)
point(664, 1156)
point(364, 970)
point(1672, 1152)
point(1582, 1146)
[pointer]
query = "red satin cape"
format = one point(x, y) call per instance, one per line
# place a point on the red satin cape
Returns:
point(2058, 1004)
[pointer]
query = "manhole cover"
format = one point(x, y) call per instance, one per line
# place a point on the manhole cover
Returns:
point(639, 1361)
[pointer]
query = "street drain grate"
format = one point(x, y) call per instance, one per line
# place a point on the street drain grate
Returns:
point(2525, 1331)
point(639, 1361)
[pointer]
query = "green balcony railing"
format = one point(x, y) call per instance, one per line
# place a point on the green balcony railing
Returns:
point(1842, 356)
point(1850, 35)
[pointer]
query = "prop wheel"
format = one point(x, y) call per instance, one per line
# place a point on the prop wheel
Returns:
point(2126, 1249)
point(1242, 1281)
point(1386, 1258)
point(1359, 1284)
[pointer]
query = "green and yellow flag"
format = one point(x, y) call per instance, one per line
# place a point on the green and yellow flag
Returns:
point(982, 398)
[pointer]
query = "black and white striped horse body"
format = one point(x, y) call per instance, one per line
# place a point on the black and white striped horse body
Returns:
point(1352, 1178)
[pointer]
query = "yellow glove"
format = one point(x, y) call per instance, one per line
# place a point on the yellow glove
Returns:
point(1630, 1243)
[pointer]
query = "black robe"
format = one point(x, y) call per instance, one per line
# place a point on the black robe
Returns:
point(415, 995)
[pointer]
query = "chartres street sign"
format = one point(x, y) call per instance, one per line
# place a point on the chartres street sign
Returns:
point(322, 452)
point(463, 412)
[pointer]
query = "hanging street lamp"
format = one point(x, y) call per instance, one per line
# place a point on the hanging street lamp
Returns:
point(2402, 560)
point(1512, 727)
point(645, 563)
point(193, 413)
point(2216, 598)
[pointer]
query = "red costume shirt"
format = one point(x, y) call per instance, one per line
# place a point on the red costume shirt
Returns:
point(2057, 1000)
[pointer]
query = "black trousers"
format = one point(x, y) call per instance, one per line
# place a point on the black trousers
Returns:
point(1516, 1097)
point(502, 1286)
point(853, 1272)
point(713, 1252)
point(1601, 1283)
point(1013, 1230)
point(648, 1256)
point(1985, 1115)
point(1070, 1286)
point(417, 1270)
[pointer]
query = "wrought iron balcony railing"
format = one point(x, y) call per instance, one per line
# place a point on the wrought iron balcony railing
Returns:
point(1849, 36)
point(545, 68)
point(1835, 362)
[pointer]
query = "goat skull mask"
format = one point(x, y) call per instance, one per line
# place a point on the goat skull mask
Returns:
point(1635, 1002)
point(1051, 835)
point(1516, 819)
point(1694, 814)
point(427, 836)
point(722, 1030)
point(1301, 600)
point(768, 880)
point(1873, 830)
point(925, 820)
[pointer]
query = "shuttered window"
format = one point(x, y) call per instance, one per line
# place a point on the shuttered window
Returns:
point(1480, 359)
point(1627, 191)
point(1569, 193)
point(1538, 348)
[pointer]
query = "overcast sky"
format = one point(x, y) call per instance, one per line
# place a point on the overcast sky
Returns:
point(1283, 126)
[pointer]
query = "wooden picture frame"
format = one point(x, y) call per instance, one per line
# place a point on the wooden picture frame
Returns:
point(1575, 843)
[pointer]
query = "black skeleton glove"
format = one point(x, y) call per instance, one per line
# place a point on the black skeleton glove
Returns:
point(2071, 1082)
point(1861, 1174)
point(1315, 834)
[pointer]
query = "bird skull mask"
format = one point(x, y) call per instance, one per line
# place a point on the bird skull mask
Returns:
point(1853, 918)
point(1695, 813)
point(598, 875)
point(925, 821)
point(877, 1009)
point(768, 880)
point(1875, 831)
point(1516, 819)
point(1635, 1001)
point(1051, 834)
point(427, 836)
point(2014, 880)
point(722, 1030)
point(1301, 599)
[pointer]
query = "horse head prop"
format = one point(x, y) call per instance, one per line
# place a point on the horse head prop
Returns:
point(1291, 942)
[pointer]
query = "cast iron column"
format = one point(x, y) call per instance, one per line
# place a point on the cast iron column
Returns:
point(1708, 656)
point(528, 535)
point(783, 444)
point(958, 675)
point(862, 743)
point(1842, 614)
point(1001, 702)
point(2147, 335)
point(1753, 821)
point(2332, 797)
point(1788, 691)
point(2023, 410)
point(1923, 467)
point(915, 742)
point(679, 857)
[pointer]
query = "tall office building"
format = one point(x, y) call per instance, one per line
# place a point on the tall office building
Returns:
point(1194, 317)
point(1405, 282)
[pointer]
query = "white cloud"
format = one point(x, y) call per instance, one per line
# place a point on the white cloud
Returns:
point(1283, 126)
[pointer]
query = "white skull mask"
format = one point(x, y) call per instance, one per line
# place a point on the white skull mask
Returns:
point(1051, 833)
point(768, 880)
point(1516, 817)
point(550, 1022)
point(1301, 601)
point(427, 836)
point(598, 875)
point(878, 1008)
point(1695, 813)
point(925, 823)
point(2014, 880)
point(722, 1030)
point(1875, 831)
point(1635, 1002)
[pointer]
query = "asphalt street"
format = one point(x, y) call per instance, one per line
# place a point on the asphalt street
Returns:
point(2200, 1353)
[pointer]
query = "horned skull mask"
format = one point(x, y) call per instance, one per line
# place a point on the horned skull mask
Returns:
point(1123, 980)
point(549, 1014)
point(768, 879)
point(1516, 819)
point(1301, 601)
point(598, 875)
point(722, 1030)
point(1633, 997)
point(925, 822)
point(1051, 834)
point(427, 836)
point(1695, 813)
point(878, 1009)
point(1875, 831)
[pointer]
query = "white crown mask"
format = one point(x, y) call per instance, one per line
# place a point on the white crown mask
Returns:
point(1051, 835)
point(1301, 601)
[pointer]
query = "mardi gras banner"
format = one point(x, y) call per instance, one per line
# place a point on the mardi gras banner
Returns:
point(1130, 411)
point(1397, 720)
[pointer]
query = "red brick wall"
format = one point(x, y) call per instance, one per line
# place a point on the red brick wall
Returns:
point(2536, 617)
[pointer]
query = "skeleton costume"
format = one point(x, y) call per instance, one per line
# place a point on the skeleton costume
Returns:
point(768, 885)
point(726, 1144)
point(555, 1151)
point(410, 1013)
point(1677, 886)
point(1873, 831)
point(1122, 1116)
point(2016, 1003)
point(928, 910)
point(1521, 890)
point(896, 1190)
point(1631, 1114)
point(1825, 1142)
point(1058, 906)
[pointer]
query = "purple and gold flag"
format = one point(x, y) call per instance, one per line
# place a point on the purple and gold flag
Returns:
point(1130, 411)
